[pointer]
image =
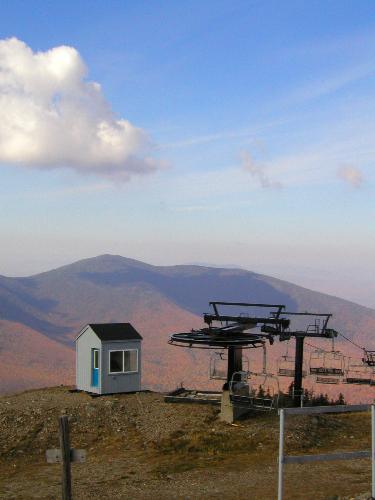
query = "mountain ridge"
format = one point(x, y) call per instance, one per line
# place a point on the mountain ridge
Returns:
point(158, 300)
point(187, 267)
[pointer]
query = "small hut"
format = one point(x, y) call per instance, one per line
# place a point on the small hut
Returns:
point(108, 358)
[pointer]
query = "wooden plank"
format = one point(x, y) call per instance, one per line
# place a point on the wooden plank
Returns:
point(181, 399)
point(348, 455)
point(53, 456)
point(78, 456)
point(310, 410)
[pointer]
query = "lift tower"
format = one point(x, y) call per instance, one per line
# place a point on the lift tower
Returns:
point(236, 331)
point(317, 330)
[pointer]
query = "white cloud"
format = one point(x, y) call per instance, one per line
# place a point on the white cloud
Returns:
point(258, 172)
point(52, 117)
point(351, 175)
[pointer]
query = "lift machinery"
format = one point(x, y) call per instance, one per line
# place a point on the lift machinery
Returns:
point(234, 331)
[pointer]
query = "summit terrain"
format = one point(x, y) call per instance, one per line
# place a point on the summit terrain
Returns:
point(140, 447)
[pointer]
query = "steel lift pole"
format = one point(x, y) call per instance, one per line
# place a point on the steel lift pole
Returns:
point(298, 372)
point(234, 362)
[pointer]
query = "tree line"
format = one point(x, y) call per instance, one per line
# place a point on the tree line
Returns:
point(309, 397)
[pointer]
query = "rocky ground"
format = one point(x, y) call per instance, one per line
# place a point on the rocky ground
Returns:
point(140, 447)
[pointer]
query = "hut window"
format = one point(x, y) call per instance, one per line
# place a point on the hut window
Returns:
point(123, 361)
point(116, 361)
point(131, 361)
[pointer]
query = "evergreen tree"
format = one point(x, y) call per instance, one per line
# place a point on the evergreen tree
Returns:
point(307, 396)
point(340, 400)
point(321, 400)
point(261, 392)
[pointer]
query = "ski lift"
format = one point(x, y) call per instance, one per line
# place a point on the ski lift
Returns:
point(239, 386)
point(239, 391)
point(359, 373)
point(327, 366)
point(286, 365)
point(218, 366)
point(265, 392)
point(262, 394)
point(264, 388)
point(327, 380)
point(286, 368)
point(369, 357)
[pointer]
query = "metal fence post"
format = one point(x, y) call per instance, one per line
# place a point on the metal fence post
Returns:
point(281, 457)
point(373, 451)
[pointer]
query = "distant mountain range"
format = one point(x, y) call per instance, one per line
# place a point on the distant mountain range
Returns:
point(41, 314)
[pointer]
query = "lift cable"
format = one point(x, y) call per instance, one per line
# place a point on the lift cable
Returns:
point(346, 338)
point(316, 347)
point(352, 342)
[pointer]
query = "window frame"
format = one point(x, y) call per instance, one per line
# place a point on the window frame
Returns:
point(109, 362)
point(123, 361)
point(95, 353)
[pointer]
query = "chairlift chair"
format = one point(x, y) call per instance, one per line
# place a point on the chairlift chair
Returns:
point(359, 373)
point(265, 390)
point(239, 383)
point(261, 394)
point(369, 357)
point(218, 366)
point(327, 364)
point(239, 391)
point(286, 367)
point(327, 380)
point(264, 387)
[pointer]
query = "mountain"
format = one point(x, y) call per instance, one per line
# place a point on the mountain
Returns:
point(42, 314)
point(30, 359)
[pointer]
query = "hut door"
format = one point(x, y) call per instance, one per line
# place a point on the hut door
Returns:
point(95, 367)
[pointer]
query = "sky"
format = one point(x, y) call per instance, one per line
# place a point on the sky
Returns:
point(236, 133)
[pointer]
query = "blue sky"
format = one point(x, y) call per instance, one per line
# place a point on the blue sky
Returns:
point(260, 130)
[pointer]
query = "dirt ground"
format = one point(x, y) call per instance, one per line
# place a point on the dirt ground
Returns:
point(139, 447)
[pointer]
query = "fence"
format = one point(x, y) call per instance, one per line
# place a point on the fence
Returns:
point(301, 459)
point(65, 455)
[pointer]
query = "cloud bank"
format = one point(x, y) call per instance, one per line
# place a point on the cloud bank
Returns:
point(351, 175)
point(52, 117)
point(258, 173)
